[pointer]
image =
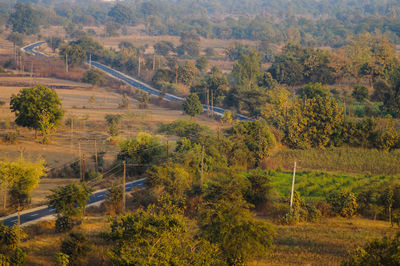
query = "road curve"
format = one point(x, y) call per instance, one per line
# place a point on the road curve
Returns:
point(30, 49)
point(38, 213)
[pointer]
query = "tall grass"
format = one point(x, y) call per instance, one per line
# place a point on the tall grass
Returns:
point(348, 160)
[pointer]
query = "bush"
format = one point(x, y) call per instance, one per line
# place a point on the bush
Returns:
point(360, 93)
point(76, 247)
point(10, 137)
point(92, 175)
point(377, 252)
point(343, 203)
point(64, 224)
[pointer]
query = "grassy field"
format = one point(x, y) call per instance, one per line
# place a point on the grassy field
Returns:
point(313, 184)
point(348, 160)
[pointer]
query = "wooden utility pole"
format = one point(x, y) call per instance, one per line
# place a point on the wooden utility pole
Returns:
point(18, 223)
point(124, 188)
point(208, 102)
point(31, 68)
point(167, 158)
point(202, 167)
point(212, 104)
point(90, 60)
point(154, 62)
point(72, 136)
point(293, 180)
point(83, 168)
point(95, 155)
point(139, 68)
point(66, 61)
point(80, 159)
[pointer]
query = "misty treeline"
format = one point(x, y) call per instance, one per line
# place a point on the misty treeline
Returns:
point(312, 23)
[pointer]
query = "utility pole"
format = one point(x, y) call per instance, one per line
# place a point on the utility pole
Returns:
point(202, 167)
point(18, 223)
point(139, 68)
point(72, 135)
point(90, 60)
point(31, 68)
point(80, 159)
point(83, 168)
point(95, 155)
point(208, 102)
point(293, 180)
point(123, 188)
point(212, 104)
point(167, 158)
point(66, 61)
point(154, 62)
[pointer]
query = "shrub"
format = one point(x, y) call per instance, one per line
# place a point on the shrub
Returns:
point(360, 93)
point(92, 175)
point(61, 259)
point(377, 252)
point(10, 137)
point(76, 247)
point(343, 203)
point(64, 224)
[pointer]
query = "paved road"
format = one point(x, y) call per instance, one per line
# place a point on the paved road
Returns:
point(131, 81)
point(46, 211)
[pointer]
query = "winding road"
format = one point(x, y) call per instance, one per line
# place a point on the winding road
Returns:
point(30, 49)
point(47, 211)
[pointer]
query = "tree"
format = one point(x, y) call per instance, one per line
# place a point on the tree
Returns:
point(257, 138)
point(76, 247)
point(112, 29)
point(54, 42)
point(76, 54)
point(24, 19)
point(158, 236)
point(312, 123)
point(240, 236)
point(388, 91)
point(113, 122)
point(114, 199)
point(343, 203)
point(141, 152)
point(187, 73)
point(163, 47)
point(32, 105)
point(202, 63)
point(121, 14)
point(16, 38)
point(192, 105)
point(19, 178)
point(259, 187)
point(360, 93)
point(312, 90)
point(190, 44)
point(94, 77)
point(247, 69)
point(69, 201)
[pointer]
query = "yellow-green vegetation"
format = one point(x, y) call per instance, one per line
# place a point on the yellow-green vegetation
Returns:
point(343, 160)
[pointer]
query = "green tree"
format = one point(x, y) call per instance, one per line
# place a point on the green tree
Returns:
point(247, 69)
point(112, 29)
point(187, 73)
point(192, 105)
point(26, 176)
point(240, 236)
point(114, 199)
point(202, 63)
point(114, 123)
point(158, 236)
point(259, 187)
point(312, 123)
point(312, 90)
point(69, 201)
point(163, 47)
point(8, 239)
point(54, 42)
point(16, 38)
point(76, 247)
point(190, 44)
point(256, 136)
point(94, 77)
point(121, 14)
point(360, 93)
point(61, 259)
point(24, 19)
point(76, 54)
point(32, 105)
point(343, 203)
point(141, 152)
